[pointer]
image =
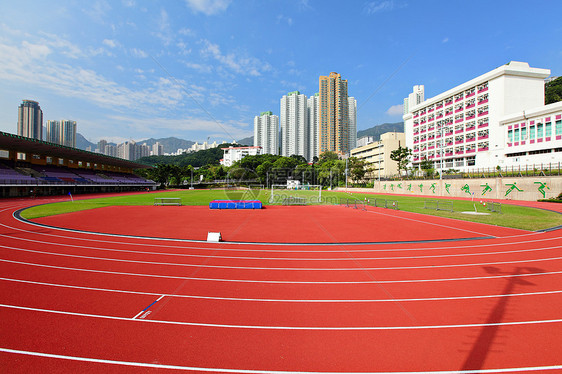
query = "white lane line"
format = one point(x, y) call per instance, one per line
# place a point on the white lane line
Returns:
point(276, 281)
point(263, 327)
point(283, 258)
point(537, 293)
point(281, 268)
point(428, 223)
point(257, 371)
point(238, 245)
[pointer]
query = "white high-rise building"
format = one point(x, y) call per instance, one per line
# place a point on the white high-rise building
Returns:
point(53, 132)
point(313, 108)
point(266, 132)
point(293, 121)
point(413, 99)
point(30, 120)
point(157, 149)
point(352, 113)
point(67, 134)
point(61, 132)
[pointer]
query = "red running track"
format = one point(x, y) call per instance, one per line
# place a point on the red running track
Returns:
point(82, 302)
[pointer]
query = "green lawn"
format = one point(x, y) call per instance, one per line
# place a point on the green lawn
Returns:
point(512, 216)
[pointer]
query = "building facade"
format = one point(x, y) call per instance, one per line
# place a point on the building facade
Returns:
point(313, 109)
point(61, 132)
point(334, 129)
point(352, 113)
point(67, 133)
point(533, 137)
point(233, 154)
point(52, 132)
point(293, 122)
point(377, 155)
point(460, 129)
point(414, 98)
point(157, 149)
point(30, 120)
point(266, 132)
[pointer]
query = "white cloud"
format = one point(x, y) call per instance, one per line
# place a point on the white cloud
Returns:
point(395, 110)
point(208, 7)
point(28, 64)
point(110, 43)
point(98, 11)
point(445, 40)
point(239, 64)
point(373, 7)
point(282, 18)
point(139, 53)
point(164, 32)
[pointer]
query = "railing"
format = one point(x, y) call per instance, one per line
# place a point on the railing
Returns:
point(438, 205)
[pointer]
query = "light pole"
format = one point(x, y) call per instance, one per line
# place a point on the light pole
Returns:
point(346, 175)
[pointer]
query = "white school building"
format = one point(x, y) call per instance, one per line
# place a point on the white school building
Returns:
point(496, 119)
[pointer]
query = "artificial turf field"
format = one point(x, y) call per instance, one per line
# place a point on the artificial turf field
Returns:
point(313, 289)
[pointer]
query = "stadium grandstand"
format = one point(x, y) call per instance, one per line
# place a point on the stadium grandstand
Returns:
point(38, 168)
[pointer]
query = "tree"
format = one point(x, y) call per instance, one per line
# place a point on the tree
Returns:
point(357, 169)
point(427, 166)
point(402, 157)
point(327, 156)
point(553, 91)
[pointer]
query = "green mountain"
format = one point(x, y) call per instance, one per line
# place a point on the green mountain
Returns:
point(249, 141)
point(170, 144)
point(83, 143)
point(377, 130)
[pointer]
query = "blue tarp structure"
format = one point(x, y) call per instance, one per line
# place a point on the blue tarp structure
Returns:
point(235, 204)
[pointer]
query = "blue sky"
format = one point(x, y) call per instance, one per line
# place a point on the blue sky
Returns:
point(198, 69)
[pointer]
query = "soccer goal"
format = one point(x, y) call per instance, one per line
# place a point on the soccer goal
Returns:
point(303, 194)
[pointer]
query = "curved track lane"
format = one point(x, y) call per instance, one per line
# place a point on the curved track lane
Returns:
point(75, 301)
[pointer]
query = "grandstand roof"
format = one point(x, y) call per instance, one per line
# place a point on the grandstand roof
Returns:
point(16, 143)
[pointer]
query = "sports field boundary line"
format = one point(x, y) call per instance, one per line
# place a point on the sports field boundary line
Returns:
point(17, 216)
point(223, 248)
point(257, 371)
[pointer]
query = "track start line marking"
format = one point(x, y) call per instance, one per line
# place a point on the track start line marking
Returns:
point(145, 312)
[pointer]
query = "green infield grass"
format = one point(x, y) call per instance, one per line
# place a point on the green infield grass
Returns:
point(512, 216)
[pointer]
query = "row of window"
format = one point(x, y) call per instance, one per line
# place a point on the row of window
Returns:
point(537, 131)
point(466, 95)
point(469, 126)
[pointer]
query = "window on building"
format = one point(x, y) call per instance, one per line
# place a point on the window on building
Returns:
point(21, 156)
point(523, 133)
point(532, 132)
point(510, 136)
point(548, 129)
point(540, 129)
point(516, 135)
point(4, 154)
